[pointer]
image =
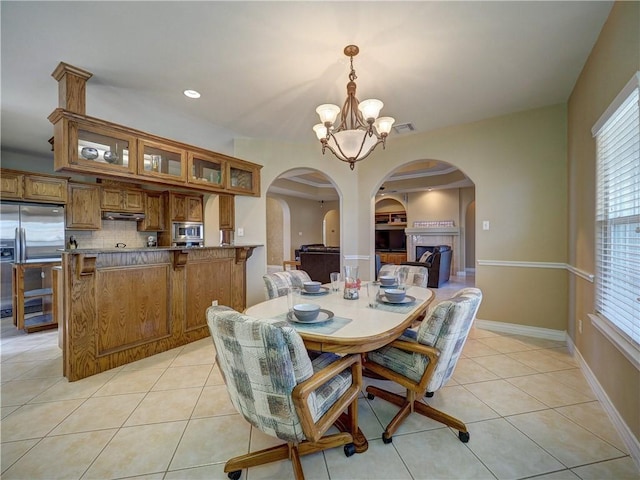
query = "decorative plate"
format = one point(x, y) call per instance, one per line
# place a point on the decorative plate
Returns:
point(323, 316)
point(322, 291)
point(405, 301)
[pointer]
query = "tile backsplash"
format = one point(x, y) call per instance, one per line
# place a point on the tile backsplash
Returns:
point(113, 231)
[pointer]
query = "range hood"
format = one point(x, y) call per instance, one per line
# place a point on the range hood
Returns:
point(122, 216)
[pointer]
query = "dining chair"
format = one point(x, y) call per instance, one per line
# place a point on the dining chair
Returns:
point(417, 276)
point(277, 388)
point(423, 360)
point(278, 283)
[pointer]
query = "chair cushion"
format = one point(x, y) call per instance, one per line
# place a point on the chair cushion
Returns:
point(407, 364)
point(321, 400)
point(277, 284)
point(424, 257)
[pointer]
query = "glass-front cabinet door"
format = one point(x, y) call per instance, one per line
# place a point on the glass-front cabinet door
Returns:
point(102, 149)
point(243, 178)
point(162, 161)
point(206, 170)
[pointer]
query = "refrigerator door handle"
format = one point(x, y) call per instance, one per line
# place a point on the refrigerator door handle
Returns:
point(23, 245)
point(17, 256)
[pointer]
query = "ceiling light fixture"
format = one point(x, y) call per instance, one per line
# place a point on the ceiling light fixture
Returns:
point(360, 130)
point(192, 94)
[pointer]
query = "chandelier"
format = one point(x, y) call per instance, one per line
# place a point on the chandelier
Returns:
point(360, 130)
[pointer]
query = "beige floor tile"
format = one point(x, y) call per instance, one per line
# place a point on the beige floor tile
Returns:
point(619, 469)
point(183, 377)
point(505, 344)
point(4, 411)
point(209, 472)
point(505, 398)
point(165, 406)
point(379, 461)
point(503, 366)
point(10, 452)
point(100, 413)
point(561, 475)
point(367, 420)
point(469, 371)
point(574, 379)
point(139, 450)
point(419, 452)
point(563, 354)
point(476, 348)
point(539, 342)
point(592, 416)
point(196, 353)
point(62, 457)
point(211, 440)
point(213, 401)
point(34, 421)
point(385, 411)
point(540, 360)
point(38, 353)
point(45, 369)
point(130, 381)
point(481, 333)
point(19, 392)
point(215, 377)
point(507, 452)
point(161, 360)
point(85, 388)
point(569, 443)
point(11, 371)
point(458, 402)
point(546, 390)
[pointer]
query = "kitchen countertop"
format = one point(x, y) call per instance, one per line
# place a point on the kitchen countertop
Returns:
point(80, 251)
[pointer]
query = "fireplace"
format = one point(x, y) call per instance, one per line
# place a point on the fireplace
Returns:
point(426, 238)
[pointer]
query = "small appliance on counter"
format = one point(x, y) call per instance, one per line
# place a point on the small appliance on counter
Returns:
point(226, 237)
point(151, 241)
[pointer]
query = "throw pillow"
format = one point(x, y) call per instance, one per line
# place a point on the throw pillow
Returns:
point(425, 256)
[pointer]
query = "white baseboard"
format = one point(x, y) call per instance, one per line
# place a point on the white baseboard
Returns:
point(461, 274)
point(514, 329)
point(629, 439)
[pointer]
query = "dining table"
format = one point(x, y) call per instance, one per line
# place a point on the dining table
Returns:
point(349, 326)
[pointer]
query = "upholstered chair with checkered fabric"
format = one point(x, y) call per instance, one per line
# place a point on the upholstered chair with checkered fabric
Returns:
point(277, 388)
point(423, 360)
point(278, 283)
point(417, 276)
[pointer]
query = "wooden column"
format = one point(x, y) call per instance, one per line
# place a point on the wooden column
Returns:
point(72, 83)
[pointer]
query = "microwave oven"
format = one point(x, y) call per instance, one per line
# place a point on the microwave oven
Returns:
point(189, 232)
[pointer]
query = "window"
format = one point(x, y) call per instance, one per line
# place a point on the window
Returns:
point(617, 301)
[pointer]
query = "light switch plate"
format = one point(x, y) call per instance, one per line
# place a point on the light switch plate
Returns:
point(240, 232)
point(485, 224)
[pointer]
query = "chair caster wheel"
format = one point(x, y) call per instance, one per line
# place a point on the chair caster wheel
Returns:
point(349, 449)
point(235, 475)
point(386, 438)
point(429, 394)
point(463, 436)
point(370, 396)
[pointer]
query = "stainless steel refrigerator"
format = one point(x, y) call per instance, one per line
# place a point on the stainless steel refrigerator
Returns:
point(28, 233)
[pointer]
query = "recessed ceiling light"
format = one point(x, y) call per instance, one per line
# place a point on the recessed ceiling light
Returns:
point(192, 94)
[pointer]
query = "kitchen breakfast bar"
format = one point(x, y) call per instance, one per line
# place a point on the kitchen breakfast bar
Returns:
point(116, 306)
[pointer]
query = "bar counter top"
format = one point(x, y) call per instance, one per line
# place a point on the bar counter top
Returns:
point(153, 249)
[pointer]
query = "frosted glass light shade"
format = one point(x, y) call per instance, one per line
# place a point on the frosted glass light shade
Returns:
point(328, 113)
point(350, 142)
point(321, 131)
point(370, 108)
point(384, 124)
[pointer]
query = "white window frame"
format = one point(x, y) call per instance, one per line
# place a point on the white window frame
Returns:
point(617, 222)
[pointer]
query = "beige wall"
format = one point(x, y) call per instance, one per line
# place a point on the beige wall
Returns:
point(613, 61)
point(332, 226)
point(275, 229)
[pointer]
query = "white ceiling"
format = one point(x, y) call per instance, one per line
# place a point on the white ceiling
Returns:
point(263, 67)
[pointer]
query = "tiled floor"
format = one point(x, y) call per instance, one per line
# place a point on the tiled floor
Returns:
point(528, 408)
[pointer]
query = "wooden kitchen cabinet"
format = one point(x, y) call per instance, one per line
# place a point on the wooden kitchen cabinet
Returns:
point(122, 200)
point(243, 178)
point(83, 208)
point(153, 213)
point(185, 208)
point(40, 298)
point(205, 170)
point(41, 188)
point(226, 205)
point(11, 185)
point(393, 257)
point(162, 161)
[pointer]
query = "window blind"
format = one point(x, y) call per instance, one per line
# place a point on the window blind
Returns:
point(617, 136)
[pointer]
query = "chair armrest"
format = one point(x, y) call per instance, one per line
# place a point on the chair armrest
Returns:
point(415, 347)
point(314, 430)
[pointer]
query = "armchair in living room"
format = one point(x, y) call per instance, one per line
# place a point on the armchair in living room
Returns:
point(437, 260)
